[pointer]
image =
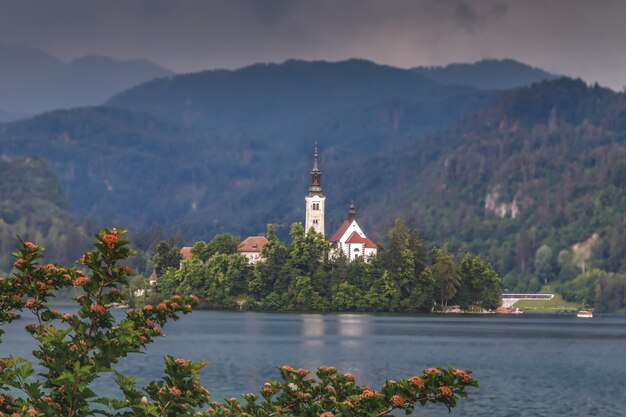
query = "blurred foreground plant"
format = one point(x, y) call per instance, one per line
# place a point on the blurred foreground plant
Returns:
point(75, 349)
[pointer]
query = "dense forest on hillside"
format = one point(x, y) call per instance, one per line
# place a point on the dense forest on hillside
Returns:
point(539, 173)
point(242, 161)
point(32, 206)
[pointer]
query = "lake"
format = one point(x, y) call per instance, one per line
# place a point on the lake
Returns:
point(528, 365)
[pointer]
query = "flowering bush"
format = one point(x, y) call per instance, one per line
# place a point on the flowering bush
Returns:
point(75, 349)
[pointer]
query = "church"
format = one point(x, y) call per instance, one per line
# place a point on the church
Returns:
point(349, 238)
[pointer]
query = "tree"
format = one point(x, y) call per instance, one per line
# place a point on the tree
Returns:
point(167, 256)
point(446, 274)
point(271, 271)
point(480, 284)
point(544, 263)
point(224, 243)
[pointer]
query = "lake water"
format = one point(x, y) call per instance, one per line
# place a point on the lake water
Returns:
point(526, 365)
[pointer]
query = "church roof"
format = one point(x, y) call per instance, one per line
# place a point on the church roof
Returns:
point(342, 229)
point(355, 238)
point(369, 244)
point(185, 252)
point(252, 244)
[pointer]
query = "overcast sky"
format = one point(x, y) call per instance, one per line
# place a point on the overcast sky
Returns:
point(584, 38)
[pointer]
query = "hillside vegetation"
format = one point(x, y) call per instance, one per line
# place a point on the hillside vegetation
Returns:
point(523, 183)
point(230, 151)
point(32, 206)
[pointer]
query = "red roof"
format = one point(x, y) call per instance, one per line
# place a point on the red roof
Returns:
point(369, 244)
point(355, 238)
point(185, 253)
point(252, 244)
point(342, 229)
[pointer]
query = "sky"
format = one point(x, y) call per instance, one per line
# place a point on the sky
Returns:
point(580, 38)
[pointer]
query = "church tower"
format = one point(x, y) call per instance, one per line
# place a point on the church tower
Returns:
point(315, 200)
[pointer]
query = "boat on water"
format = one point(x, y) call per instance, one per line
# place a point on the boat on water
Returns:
point(585, 314)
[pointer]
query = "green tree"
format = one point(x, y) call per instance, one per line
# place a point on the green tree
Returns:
point(544, 263)
point(271, 272)
point(446, 274)
point(167, 256)
point(224, 243)
point(480, 284)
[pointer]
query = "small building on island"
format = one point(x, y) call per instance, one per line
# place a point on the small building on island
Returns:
point(350, 239)
point(252, 248)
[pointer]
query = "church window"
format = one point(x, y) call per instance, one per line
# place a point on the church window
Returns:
point(315, 221)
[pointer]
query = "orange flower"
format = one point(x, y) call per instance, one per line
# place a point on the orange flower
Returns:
point(417, 381)
point(367, 393)
point(195, 299)
point(110, 239)
point(175, 392)
point(432, 371)
point(396, 401)
point(18, 263)
point(286, 368)
point(67, 316)
point(182, 362)
point(147, 307)
point(30, 245)
point(350, 377)
point(80, 281)
point(162, 306)
point(446, 391)
point(327, 414)
point(97, 308)
point(302, 372)
point(30, 303)
point(462, 375)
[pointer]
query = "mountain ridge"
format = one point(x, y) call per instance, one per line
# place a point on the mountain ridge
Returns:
point(33, 81)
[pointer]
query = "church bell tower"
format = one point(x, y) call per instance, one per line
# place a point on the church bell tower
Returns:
point(315, 200)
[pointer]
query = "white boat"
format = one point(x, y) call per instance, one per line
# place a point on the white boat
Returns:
point(585, 314)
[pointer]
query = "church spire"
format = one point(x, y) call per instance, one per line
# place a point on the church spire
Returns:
point(315, 188)
point(351, 212)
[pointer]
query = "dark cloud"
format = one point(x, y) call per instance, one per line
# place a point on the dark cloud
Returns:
point(576, 37)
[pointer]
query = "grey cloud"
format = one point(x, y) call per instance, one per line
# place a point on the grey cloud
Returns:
point(576, 37)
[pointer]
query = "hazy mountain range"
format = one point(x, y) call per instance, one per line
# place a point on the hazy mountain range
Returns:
point(32, 81)
point(488, 74)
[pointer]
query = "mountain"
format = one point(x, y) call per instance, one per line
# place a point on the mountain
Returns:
point(33, 81)
point(488, 74)
point(272, 96)
point(544, 166)
point(231, 150)
point(33, 206)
